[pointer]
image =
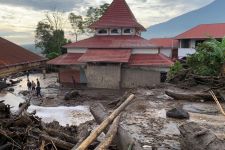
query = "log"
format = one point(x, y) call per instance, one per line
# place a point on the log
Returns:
point(96, 132)
point(194, 137)
point(110, 135)
point(122, 133)
point(99, 112)
point(59, 143)
point(178, 95)
point(83, 134)
point(62, 136)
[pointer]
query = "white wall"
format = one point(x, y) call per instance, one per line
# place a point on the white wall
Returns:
point(145, 51)
point(76, 50)
point(182, 52)
point(192, 43)
point(166, 51)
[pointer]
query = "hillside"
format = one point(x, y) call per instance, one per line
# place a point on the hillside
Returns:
point(212, 13)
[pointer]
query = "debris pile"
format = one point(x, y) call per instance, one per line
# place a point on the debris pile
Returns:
point(23, 130)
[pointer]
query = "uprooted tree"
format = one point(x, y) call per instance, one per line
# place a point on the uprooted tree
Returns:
point(49, 34)
point(206, 64)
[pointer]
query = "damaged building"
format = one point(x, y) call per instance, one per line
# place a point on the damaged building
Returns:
point(14, 59)
point(115, 57)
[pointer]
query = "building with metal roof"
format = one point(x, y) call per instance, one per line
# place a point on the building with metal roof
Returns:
point(14, 58)
point(191, 38)
point(116, 56)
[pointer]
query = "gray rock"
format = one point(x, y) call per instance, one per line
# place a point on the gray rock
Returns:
point(71, 95)
point(178, 113)
point(24, 93)
point(195, 137)
point(3, 85)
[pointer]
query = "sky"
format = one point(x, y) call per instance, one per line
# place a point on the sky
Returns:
point(19, 18)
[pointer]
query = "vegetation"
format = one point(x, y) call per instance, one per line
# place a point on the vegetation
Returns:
point(80, 24)
point(177, 67)
point(207, 61)
point(49, 35)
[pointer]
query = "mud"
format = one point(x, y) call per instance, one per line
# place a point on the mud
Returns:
point(145, 119)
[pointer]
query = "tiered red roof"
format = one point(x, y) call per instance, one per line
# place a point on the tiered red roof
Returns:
point(204, 31)
point(12, 54)
point(106, 55)
point(109, 41)
point(117, 15)
point(164, 42)
point(154, 60)
point(66, 59)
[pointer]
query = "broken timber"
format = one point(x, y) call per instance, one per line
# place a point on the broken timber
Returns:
point(96, 132)
point(110, 135)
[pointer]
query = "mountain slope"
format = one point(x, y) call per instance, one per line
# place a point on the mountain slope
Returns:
point(212, 13)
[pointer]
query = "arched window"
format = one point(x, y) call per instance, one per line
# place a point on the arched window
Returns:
point(114, 31)
point(128, 31)
point(103, 31)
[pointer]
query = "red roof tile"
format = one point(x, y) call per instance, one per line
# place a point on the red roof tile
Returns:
point(106, 55)
point(204, 31)
point(12, 54)
point(164, 42)
point(66, 59)
point(117, 41)
point(117, 15)
point(155, 60)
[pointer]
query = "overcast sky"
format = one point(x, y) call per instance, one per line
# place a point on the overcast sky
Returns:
point(18, 18)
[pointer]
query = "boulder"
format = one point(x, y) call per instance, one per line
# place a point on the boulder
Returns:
point(24, 93)
point(195, 137)
point(178, 113)
point(71, 95)
point(3, 85)
point(10, 90)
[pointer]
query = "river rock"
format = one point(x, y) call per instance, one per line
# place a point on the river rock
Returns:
point(3, 85)
point(178, 113)
point(24, 93)
point(71, 95)
point(195, 137)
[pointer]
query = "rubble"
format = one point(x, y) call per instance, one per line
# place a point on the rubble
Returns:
point(71, 95)
point(195, 137)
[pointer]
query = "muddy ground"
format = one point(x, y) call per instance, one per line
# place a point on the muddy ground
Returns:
point(144, 119)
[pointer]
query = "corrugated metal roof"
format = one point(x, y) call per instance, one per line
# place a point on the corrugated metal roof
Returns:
point(12, 54)
point(106, 55)
point(204, 31)
point(164, 42)
point(155, 60)
point(66, 59)
point(109, 41)
point(117, 15)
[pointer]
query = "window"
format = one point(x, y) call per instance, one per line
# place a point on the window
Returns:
point(185, 43)
point(103, 31)
point(115, 31)
point(128, 31)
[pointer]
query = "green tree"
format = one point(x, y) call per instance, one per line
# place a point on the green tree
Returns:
point(49, 35)
point(80, 24)
point(208, 59)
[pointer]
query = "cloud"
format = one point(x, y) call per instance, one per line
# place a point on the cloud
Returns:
point(62, 5)
point(22, 16)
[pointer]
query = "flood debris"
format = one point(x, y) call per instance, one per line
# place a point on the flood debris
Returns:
point(23, 130)
point(195, 137)
point(178, 113)
point(71, 95)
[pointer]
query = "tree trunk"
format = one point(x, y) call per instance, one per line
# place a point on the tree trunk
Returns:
point(59, 143)
point(178, 95)
point(84, 145)
point(110, 135)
